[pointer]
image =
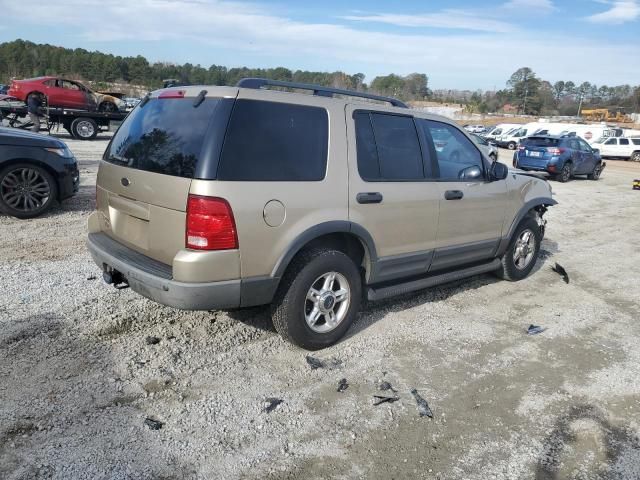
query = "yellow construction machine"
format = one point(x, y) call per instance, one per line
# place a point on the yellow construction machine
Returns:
point(606, 115)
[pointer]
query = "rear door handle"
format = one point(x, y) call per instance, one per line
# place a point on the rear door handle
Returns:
point(453, 195)
point(369, 197)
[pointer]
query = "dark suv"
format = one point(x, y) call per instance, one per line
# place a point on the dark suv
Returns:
point(561, 156)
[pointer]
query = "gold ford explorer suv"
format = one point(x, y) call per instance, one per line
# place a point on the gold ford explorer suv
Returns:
point(228, 197)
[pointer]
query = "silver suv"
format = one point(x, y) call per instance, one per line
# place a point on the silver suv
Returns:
point(228, 197)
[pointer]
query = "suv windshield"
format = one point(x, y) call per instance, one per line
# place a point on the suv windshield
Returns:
point(540, 142)
point(164, 136)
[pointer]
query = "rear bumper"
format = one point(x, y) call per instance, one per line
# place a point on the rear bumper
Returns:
point(153, 280)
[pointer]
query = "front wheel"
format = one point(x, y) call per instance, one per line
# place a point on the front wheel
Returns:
point(520, 257)
point(635, 157)
point(595, 175)
point(108, 107)
point(511, 145)
point(26, 191)
point(318, 299)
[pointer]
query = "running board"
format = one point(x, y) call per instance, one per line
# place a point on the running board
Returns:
point(374, 293)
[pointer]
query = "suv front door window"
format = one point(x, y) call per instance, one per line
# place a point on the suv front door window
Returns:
point(469, 227)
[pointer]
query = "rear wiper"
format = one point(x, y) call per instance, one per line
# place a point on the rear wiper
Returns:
point(199, 99)
point(144, 100)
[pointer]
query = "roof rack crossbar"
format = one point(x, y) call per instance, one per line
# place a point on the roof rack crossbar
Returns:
point(257, 83)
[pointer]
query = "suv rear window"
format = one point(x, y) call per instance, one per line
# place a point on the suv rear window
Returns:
point(271, 141)
point(164, 136)
point(540, 142)
point(636, 141)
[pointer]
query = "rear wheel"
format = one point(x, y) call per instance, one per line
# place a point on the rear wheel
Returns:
point(84, 128)
point(318, 299)
point(521, 255)
point(511, 145)
point(565, 174)
point(595, 175)
point(26, 191)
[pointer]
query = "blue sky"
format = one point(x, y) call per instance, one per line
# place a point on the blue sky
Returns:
point(458, 44)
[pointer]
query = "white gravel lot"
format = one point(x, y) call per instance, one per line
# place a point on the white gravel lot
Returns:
point(79, 374)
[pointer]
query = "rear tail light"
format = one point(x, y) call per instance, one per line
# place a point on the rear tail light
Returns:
point(210, 224)
point(555, 150)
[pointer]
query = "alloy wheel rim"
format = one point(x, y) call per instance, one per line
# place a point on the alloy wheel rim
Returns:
point(524, 249)
point(25, 189)
point(327, 302)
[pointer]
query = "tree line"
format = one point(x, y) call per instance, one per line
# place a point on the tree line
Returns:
point(530, 95)
point(24, 59)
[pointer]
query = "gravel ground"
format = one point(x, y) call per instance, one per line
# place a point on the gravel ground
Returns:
point(83, 366)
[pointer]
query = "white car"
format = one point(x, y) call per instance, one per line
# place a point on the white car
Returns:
point(620, 147)
point(511, 139)
point(475, 128)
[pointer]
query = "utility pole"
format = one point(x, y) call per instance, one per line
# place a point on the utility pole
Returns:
point(580, 104)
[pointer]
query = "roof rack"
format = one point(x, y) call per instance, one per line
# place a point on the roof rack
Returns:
point(257, 83)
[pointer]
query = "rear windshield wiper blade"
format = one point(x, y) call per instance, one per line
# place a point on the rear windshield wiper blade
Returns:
point(200, 98)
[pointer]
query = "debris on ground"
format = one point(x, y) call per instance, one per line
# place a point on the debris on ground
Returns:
point(153, 340)
point(535, 329)
point(385, 386)
point(271, 404)
point(91, 277)
point(380, 399)
point(423, 406)
point(342, 385)
point(153, 424)
point(314, 362)
point(561, 271)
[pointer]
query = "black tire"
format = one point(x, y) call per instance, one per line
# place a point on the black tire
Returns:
point(565, 174)
point(595, 175)
point(84, 128)
point(30, 204)
point(511, 145)
point(509, 270)
point(291, 301)
point(108, 107)
point(635, 157)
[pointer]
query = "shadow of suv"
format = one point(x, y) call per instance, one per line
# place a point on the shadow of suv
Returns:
point(227, 197)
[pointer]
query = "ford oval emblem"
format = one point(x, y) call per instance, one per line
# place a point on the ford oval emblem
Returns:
point(124, 181)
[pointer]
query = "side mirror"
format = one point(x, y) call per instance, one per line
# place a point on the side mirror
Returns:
point(499, 171)
point(493, 144)
point(596, 151)
point(470, 173)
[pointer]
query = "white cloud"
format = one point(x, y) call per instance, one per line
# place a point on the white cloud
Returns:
point(543, 6)
point(620, 12)
point(452, 19)
point(223, 29)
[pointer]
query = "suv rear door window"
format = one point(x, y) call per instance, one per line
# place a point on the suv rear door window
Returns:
point(164, 136)
point(454, 151)
point(388, 148)
point(624, 141)
point(398, 147)
point(270, 141)
point(636, 141)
